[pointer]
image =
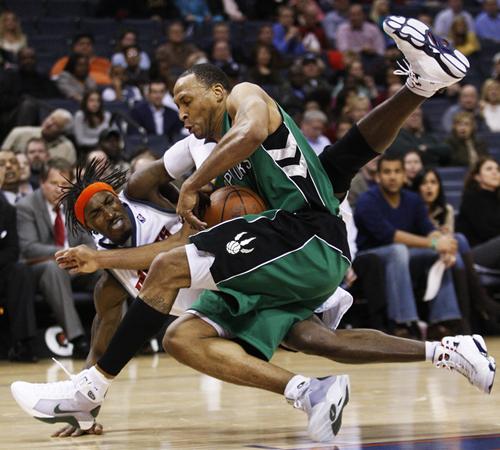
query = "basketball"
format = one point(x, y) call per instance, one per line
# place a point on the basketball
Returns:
point(230, 202)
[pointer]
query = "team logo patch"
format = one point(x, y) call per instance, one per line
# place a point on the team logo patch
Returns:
point(238, 246)
point(141, 218)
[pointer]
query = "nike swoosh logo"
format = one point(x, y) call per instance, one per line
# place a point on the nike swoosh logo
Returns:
point(58, 410)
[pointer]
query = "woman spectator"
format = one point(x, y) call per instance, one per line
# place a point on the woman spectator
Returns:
point(463, 39)
point(413, 165)
point(135, 75)
point(479, 216)
point(262, 72)
point(74, 80)
point(471, 295)
point(127, 39)
point(466, 149)
point(120, 90)
point(90, 121)
point(490, 104)
point(12, 38)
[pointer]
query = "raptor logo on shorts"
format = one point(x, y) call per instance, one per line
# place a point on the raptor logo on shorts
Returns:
point(238, 246)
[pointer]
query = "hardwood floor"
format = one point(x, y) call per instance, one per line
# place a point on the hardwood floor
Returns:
point(158, 404)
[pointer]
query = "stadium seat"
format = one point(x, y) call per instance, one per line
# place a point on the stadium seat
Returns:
point(100, 27)
point(434, 109)
point(145, 29)
point(26, 8)
point(66, 26)
point(66, 8)
point(49, 44)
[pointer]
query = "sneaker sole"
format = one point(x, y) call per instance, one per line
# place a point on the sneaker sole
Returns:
point(418, 35)
point(72, 420)
point(337, 399)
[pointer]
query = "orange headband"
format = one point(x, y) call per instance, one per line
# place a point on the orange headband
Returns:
point(86, 195)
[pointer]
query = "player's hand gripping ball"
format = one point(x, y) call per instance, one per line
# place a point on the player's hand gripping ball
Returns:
point(230, 202)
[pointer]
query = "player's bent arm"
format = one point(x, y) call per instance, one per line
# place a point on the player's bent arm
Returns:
point(250, 128)
point(150, 182)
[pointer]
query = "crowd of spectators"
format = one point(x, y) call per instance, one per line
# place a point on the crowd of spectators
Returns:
point(328, 63)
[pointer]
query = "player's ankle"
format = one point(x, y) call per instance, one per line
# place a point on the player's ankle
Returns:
point(102, 375)
point(430, 349)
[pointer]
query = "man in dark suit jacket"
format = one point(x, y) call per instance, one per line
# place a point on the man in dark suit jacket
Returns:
point(41, 233)
point(16, 287)
point(154, 117)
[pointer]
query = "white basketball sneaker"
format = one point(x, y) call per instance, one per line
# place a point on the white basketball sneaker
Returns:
point(76, 401)
point(433, 63)
point(323, 400)
point(467, 355)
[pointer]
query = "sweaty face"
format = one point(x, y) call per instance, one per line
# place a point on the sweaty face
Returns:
point(391, 176)
point(106, 215)
point(429, 189)
point(197, 104)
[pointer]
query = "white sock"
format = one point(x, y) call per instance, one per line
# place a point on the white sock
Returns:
point(430, 348)
point(99, 382)
point(295, 387)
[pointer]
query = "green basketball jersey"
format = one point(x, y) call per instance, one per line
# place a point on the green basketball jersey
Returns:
point(284, 171)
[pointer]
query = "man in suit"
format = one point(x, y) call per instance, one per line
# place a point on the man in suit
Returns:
point(42, 232)
point(153, 116)
point(16, 285)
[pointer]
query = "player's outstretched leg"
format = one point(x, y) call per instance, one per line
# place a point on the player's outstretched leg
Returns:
point(467, 355)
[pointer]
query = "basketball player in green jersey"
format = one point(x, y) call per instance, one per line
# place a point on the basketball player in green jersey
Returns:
point(268, 271)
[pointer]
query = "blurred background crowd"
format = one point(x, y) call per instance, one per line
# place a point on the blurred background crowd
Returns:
point(85, 79)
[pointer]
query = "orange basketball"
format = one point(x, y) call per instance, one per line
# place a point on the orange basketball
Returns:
point(230, 202)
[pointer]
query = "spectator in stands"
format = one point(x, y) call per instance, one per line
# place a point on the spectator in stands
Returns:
point(265, 36)
point(112, 144)
point(153, 116)
point(222, 32)
point(495, 74)
point(490, 104)
point(286, 35)
point(37, 153)
point(51, 131)
point(463, 39)
point(311, 29)
point(262, 71)
point(364, 180)
point(465, 147)
point(128, 38)
point(221, 54)
point(83, 43)
point(342, 127)
point(356, 108)
point(312, 126)
point(98, 155)
point(120, 90)
point(479, 215)
point(315, 84)
point(133, 72)
point(468, 100)
point(488, 22)
point(393, 224)
point(444, 19)
point(12, 38)
point(25, 186)
point(10, 171)
point(355, 78)
point(413, 136)
point(75, 79)
point(413, 165)
point(176, 50)
point(42, 232)
point(195, 11)
point(333, 19)
point(470, 293)
point(90, 120)
point(360, 35)
point(16, 286)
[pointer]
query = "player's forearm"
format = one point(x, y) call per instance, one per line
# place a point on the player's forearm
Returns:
point(137, 258)
point(236, 145)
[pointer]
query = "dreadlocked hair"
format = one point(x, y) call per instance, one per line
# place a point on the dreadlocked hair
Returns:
point(92, 172)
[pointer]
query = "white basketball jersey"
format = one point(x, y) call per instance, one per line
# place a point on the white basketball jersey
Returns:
point(149, 224)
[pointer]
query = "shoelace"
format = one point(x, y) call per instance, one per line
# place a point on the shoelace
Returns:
point(462, 366)
point(77, 382)
point(406, 70)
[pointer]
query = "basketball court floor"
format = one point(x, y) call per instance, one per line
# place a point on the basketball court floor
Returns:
point(157, 403)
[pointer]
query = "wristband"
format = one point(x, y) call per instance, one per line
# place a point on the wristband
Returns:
point(434, 241)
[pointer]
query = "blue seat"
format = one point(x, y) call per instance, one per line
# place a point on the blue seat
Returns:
point(49, 44)
point(26, 8)
point(64, 26)
point(434, 109)
point(454, 198)
point(47, 106)
point(100, 27)
point(145, 29)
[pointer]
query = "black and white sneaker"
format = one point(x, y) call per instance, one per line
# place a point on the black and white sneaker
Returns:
point(432, 63)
